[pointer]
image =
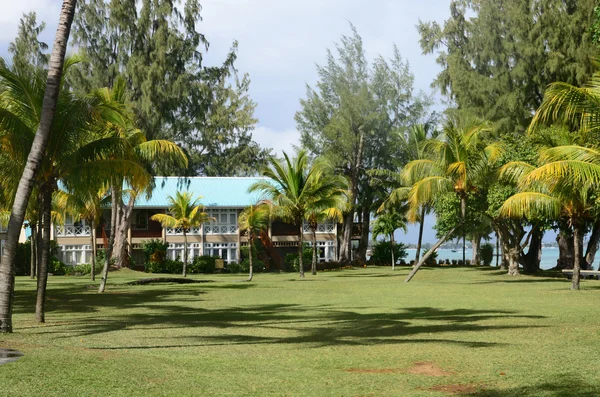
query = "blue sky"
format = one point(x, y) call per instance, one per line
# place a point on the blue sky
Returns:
point(279, 44)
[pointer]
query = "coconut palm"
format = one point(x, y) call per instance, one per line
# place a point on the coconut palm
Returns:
point(292, 189)
point(29, 174)
point(461, 161)
point(186, 213)
point(254, 219)
point(386, 224)
point(329, 204)
point(563, 186)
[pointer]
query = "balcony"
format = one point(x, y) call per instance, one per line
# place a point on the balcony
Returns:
point(72, 231)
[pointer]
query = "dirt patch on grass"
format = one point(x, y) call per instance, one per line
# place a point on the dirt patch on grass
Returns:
point(420, 368)
point(428, 369)
point(456, 389)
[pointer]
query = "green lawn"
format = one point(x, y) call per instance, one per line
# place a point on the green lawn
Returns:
point(355, 332)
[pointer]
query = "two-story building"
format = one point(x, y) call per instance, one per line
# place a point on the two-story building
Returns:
point(224, 198)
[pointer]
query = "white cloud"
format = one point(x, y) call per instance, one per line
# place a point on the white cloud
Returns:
point(46, 10)
point(279, 140)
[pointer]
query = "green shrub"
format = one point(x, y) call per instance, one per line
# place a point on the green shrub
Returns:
point(155, 250)
point(154, 267)
point(382, 253)
point(292, 263)
point(57, 268)
point(86, 269)
point(432, 260)
point(233, 267)
point(258, 266)
point(487, 253)
point(202, 264)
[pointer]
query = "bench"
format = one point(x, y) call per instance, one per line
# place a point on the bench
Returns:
point(583, 273)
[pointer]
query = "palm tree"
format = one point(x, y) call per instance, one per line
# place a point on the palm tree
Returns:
point(186, 213)
point(48, 106)
point(253, 220)
point(84, 205)
point(563, 186)
point(292, 189)
point(461, 162)
point(386, 224)
point(328, 205)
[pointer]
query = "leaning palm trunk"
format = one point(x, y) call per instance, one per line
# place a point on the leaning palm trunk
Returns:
point(421, 225)
point(314, 252)
point(463, 212)
point(428, 254)
point(42, 280)
point(577, 242)
point(300, 244)
point(250, 267)
point(185, 252)
point(34, 159)
point(392, 246)
point(33, 260)
point(93, 241)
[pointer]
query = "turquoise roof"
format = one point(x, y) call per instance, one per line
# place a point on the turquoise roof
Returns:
point(215, 191)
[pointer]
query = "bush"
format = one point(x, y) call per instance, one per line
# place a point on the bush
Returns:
point(86, 269)
point(292, 262)
point(432, 260)
point(382, 253)
point(258, 266)
point(233, 267)
point(202, 264)
point(155, 250)
point(487, 253)
point(58, 268)
point(168, 266)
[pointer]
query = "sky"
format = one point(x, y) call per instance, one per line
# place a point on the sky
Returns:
point(280, 44)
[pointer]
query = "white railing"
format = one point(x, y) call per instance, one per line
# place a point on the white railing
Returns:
point(171, 231)
point(220, 229)
point(72, 231)
point(321, 228)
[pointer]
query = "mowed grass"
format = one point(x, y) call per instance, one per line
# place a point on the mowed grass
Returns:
point(348, 333)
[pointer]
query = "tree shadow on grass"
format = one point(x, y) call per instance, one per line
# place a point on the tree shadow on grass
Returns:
point(560, 386)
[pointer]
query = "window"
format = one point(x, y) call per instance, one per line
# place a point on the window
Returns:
point(140, 221)
point(225, 251)
point(325, 250)
point(225, 221)
point(76, 254)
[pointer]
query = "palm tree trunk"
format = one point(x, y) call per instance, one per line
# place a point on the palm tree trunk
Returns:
point(345, 253)
point(34, 160)
point(392, 246)
point(185, 253)
point(39, 237)
point(577, 243)
point(421, 225)
point(250, 268)
point(93, 262)
point(314, 252)
point(463, 212)
point(33, 260)
point(592, 246)
point(475, 245)
point(300, 246)
point(428, 254)
point(45, 257)
point(111, 240)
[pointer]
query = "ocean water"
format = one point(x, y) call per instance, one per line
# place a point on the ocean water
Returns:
point(549, 256)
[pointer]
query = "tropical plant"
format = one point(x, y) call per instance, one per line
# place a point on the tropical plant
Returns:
point(185, 213)
point(565, 185)
point(293, 189)
point(34, 158)
point(385, 225)
point(461, 162)
point(254, 219)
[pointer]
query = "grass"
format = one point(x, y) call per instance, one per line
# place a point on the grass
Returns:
point(348, 333)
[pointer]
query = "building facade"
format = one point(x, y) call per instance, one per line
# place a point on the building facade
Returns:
point(224, 198)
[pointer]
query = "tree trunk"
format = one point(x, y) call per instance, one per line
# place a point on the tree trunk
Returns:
point(364, 234)
point(185, 253)
point(577, 243)
point(111, 240)
point(314, 252)
point(300, 243)
point(34, 160)
point(251, 269)
point(592, 247)
point(531, 260)
point(565, 251)
point(463, 212)
point(475, 246)
point(33, 260)
point(421, 225)
point(392, 246)
point(42, 280)
point(497, 249)
point(120, 249)
point(345, 250)
point(39, 237)
point(93, 262)
point(428, 254)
